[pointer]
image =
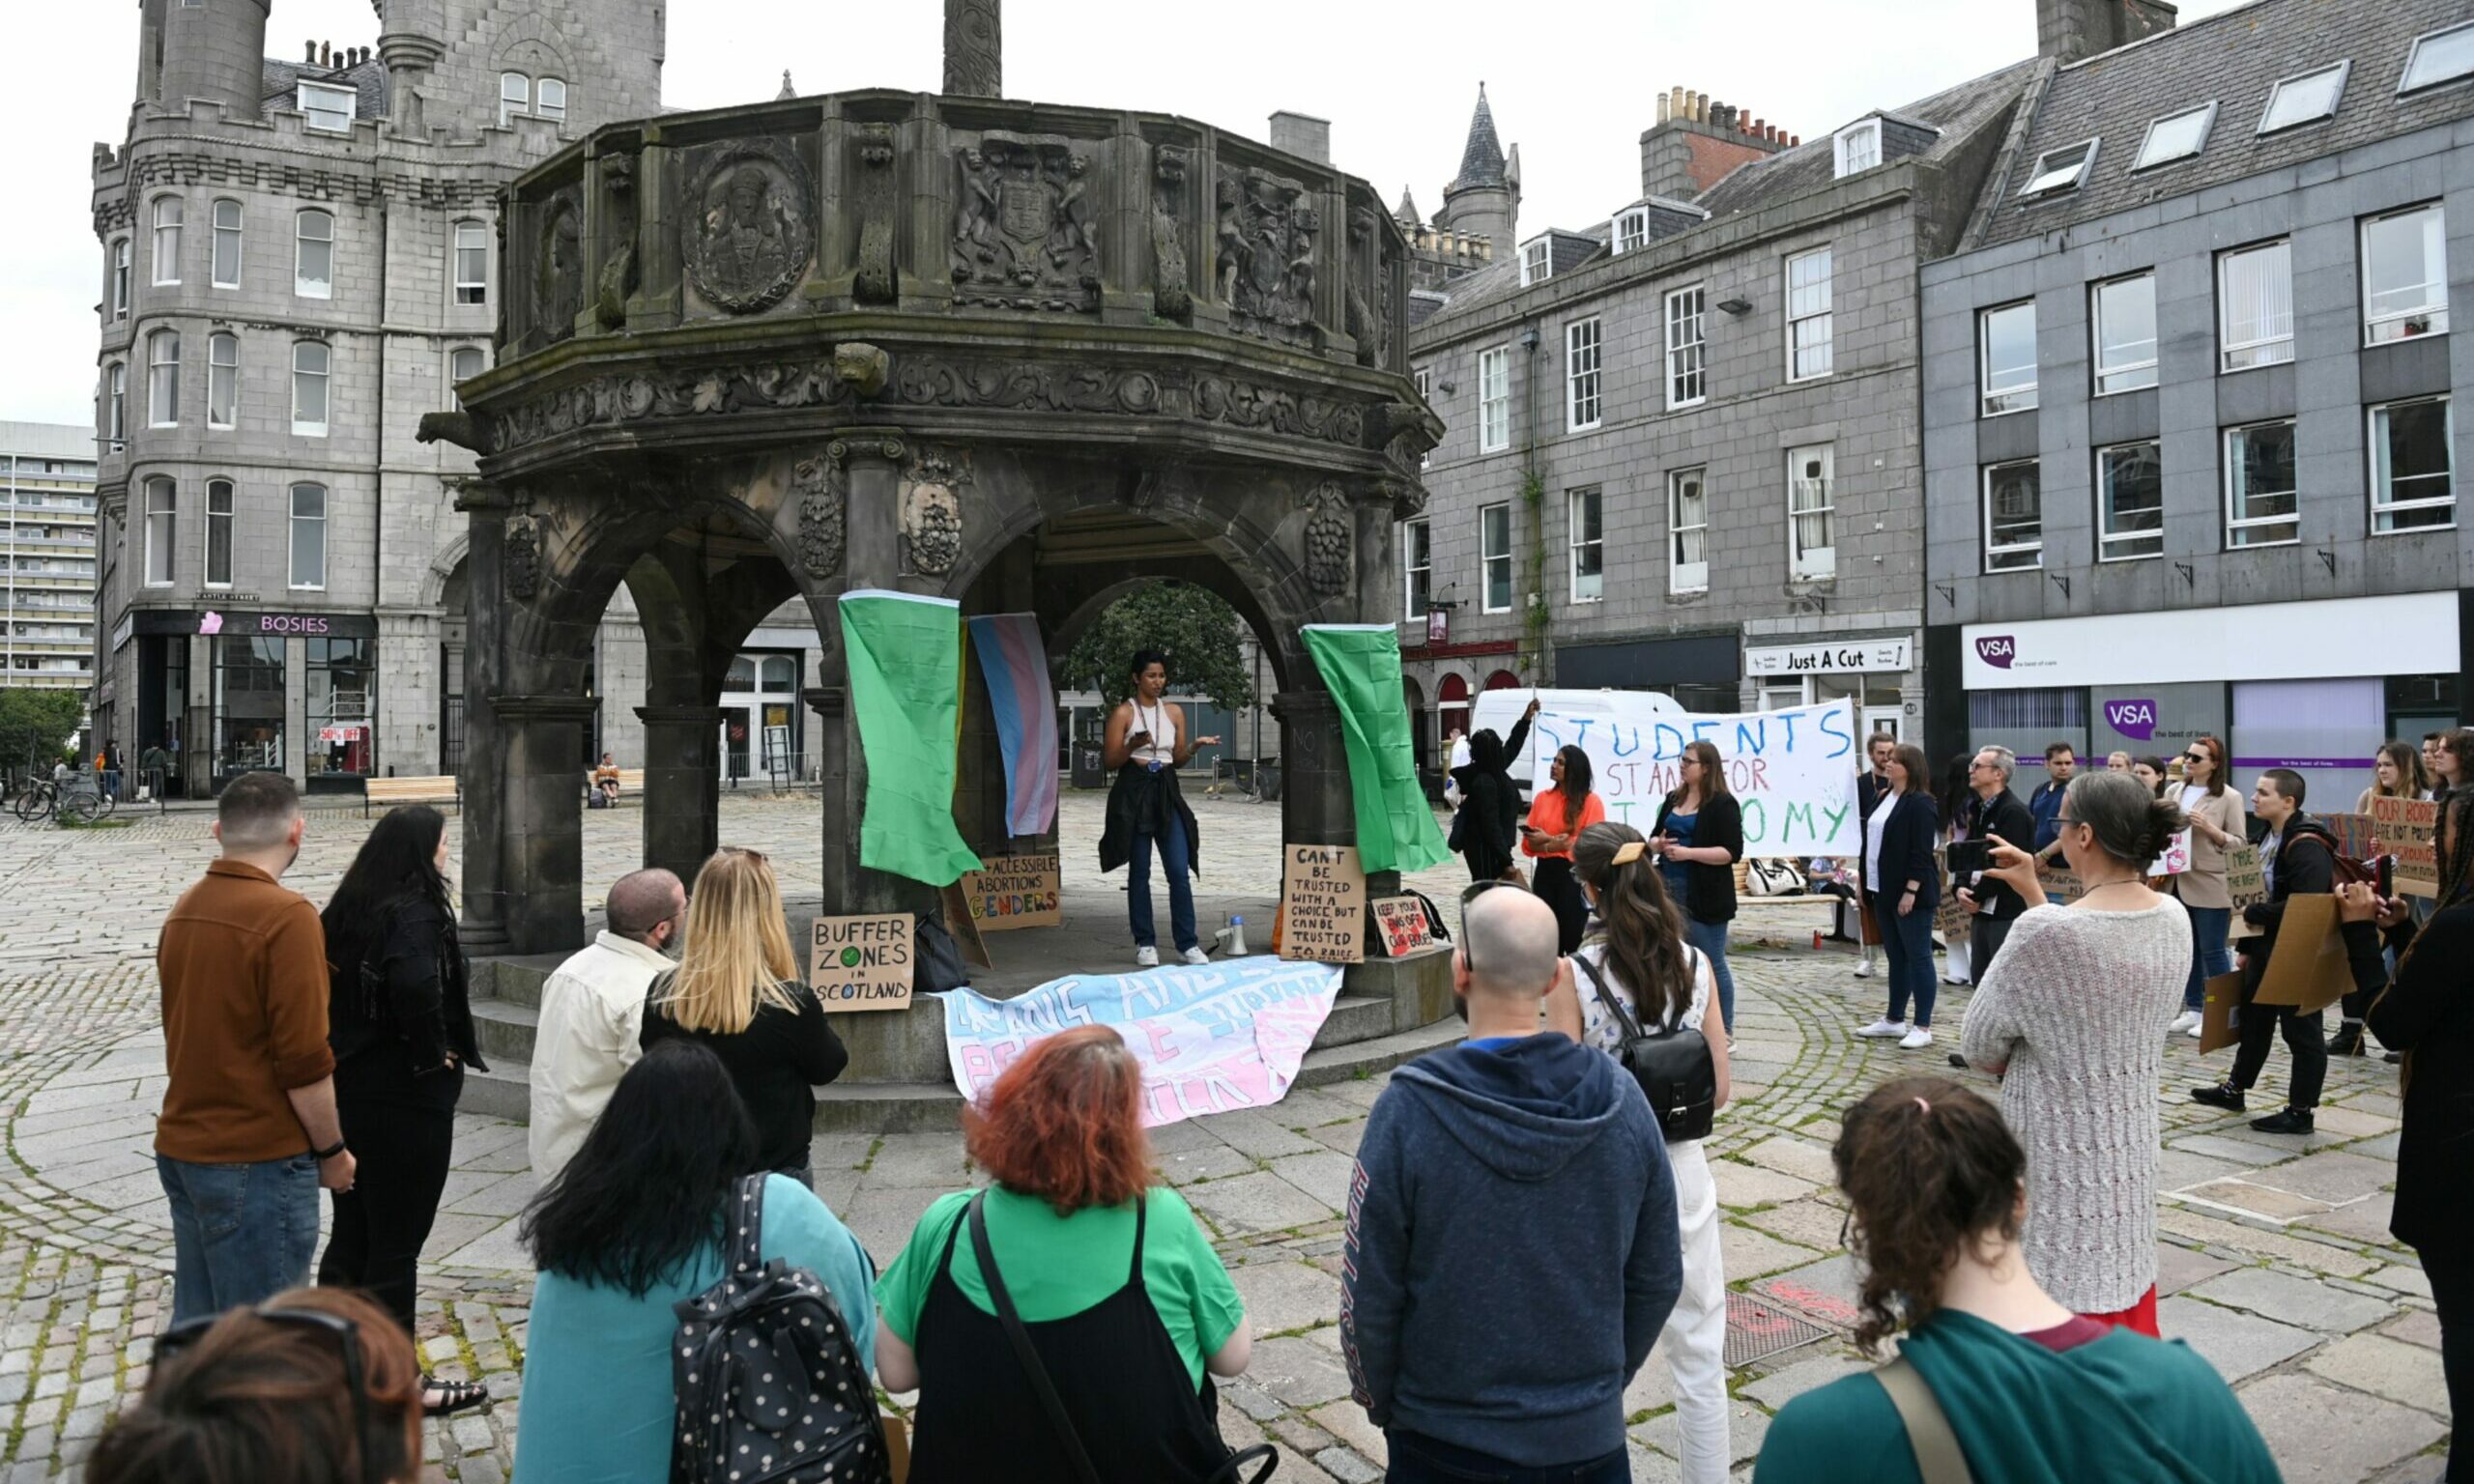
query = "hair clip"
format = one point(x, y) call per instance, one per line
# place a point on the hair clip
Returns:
point(1926, 1106)
point(1631, 850)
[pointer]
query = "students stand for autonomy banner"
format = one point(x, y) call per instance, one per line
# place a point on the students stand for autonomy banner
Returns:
point(905, 657)
point(1360, 664)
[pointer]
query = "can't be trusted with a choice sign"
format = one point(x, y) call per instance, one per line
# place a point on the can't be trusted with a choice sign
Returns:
point(860, 963)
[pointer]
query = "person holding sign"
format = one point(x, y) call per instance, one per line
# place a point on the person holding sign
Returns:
point(2067, 1018)
point(738, 992)
point(1698, 838)
point(1901, 888)
point(1147, 743)
point(2299, 856)
point(2216, 816)
point(1556, 819)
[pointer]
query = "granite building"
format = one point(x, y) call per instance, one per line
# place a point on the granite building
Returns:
point(2190, 443)
point(1681, 449)
point(297, 264)
point(46, 556)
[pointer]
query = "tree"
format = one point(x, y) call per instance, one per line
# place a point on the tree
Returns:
point(1194, 627)
point(36, 724)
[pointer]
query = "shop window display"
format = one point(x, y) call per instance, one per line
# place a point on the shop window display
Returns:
point(341, 677)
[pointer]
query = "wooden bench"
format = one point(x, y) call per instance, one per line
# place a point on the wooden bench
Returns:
point(392, 791)
point(631, 784)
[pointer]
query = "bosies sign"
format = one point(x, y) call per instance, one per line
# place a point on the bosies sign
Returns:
point(215, 622)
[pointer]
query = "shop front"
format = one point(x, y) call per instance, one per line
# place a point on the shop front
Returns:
point(1871, 673)
point(1701, 671)
point(2313, 686)
point(228, 693)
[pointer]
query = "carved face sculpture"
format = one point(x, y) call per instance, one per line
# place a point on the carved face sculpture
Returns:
point(748, 190)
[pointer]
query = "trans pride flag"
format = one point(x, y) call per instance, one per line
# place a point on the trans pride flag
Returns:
point(1023, 704)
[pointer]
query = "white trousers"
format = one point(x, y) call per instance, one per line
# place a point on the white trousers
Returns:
point(1695, 1339)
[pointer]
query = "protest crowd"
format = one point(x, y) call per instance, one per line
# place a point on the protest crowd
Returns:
point(1530, 1216)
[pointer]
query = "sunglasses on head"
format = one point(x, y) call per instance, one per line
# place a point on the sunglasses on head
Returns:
point(347, 1336)
point(1469, 894)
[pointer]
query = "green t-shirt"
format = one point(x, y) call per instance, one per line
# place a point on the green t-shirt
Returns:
point(1056, 1267)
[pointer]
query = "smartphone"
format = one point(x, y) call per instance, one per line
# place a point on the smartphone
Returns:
point(2387, 876)
point(1969, 858)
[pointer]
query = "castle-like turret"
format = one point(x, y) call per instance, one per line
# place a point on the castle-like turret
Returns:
point(209, 49)
point(1484, 201)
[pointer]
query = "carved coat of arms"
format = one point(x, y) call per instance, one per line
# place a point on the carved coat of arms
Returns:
point(1266, 236)
point(1023, 234)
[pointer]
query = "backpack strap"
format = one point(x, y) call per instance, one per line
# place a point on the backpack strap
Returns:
point(1938, 1459)
point(1053, 1405)
point(1613, 1003)
point(747, 1217)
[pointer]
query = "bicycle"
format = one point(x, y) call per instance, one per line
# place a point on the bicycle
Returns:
point(45, 800)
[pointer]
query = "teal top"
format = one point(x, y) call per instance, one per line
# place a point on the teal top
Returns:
point(1056, 1267)
point(2124, 1408)
point(598, 1402)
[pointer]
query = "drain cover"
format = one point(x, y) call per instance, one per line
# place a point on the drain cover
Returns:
point(1757, 1329)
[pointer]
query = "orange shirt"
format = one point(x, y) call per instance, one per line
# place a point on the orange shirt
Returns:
point(1546, 817)
point(244, 965)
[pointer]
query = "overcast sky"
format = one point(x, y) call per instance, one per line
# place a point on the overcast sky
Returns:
point(1574, 84)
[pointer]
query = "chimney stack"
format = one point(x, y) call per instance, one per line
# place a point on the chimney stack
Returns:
point(1697, 139)
point(2072, 30)
point(1302, 134)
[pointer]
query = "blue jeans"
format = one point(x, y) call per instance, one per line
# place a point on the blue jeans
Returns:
point(241, 1232)
point(1417, 1459)
point(2210, 956)
point(1711, 939)
point(1907, 942)
point(1181, 891)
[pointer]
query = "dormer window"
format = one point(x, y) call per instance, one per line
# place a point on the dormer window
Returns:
point(2177, 136)
point(2443, 56)
point(1632, 230)
point(1536, 260)
point(2304, 99)
point(2059, 170)
point(1859, 147)
point(330, 110)
point(515, 96)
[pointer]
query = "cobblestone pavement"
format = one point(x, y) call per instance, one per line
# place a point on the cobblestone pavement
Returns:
point(2275, 1260)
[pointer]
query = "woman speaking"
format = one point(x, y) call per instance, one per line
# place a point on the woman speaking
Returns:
point(1146, 744)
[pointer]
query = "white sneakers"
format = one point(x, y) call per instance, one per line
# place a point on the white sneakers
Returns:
point(1146, 957)
point(2196, 1028)
point(1863, 968)
point(2188, 1021)
point(1884, 1030)
point(1915, 1040)
point(1196, 955)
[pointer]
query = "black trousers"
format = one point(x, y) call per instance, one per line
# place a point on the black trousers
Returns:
point(1557, 886)
point(2305, 1036)
point(402, 1132)
point(2453, 1292)
point(1985, 937)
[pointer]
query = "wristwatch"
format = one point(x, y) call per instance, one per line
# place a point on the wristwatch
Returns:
point(321, 1156)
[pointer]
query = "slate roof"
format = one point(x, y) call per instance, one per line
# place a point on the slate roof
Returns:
point(1482, 160)
point(280, 80)
point(2233, 59)
point(1406, 213)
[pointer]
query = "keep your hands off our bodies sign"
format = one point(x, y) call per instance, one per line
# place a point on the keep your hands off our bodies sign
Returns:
point(1793, 771)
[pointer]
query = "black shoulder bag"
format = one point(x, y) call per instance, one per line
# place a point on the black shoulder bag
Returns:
point(1674, 1066)
point(1077, 1458)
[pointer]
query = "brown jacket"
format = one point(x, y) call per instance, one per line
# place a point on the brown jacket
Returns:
point(244, 965)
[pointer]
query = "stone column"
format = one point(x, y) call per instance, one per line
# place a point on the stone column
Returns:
point(835, 790)
point(541, 738)
point(483, 929)
point(682, 786)
point(873, 558)
point(1316, 808)
point(974, 48)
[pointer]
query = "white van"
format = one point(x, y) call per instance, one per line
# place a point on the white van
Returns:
point(1500, 712)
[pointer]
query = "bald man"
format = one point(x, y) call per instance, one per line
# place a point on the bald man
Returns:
point(592, 1010)
point(1513, 1246)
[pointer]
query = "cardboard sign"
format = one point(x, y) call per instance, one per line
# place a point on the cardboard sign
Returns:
point(862, 963)
point(1950, 919)
point(2217, 1021)
point(1015, 890)
point(1322, 902)
point(2357, 835)
point(964, 929)
point(2176, 858)
point(2247, 883)
point(2308, 969)
point(2061, 887)
point(2405, 829)
point(1401, 926)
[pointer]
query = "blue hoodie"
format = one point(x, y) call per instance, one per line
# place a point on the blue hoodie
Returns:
point(1512, 1250)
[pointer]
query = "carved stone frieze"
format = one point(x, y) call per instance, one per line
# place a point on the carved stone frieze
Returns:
point(619, 271)
point(927, 380)
point(558, 265)
point(640, 396)
point(1023, 237)
point(523, 556)
point(749, 232)
point(874, 282)
point(1331, 534)
point(1244, 405)
point(820, 487)
point(932, 510)
point(1369, 297)
point(1267, 230)
point(1172, 294)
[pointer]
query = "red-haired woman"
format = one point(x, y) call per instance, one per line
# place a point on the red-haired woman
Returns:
point(1123, 1299)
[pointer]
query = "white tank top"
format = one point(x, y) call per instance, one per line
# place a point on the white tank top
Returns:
point(1161, 747)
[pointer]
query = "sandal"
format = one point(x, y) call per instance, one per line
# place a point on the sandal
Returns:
point(454, 1396)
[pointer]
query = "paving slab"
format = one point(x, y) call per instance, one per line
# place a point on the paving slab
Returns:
point(2294, 1300)
point(1284, 1294)
point(2385, 1367)
point(1747, 1253)
point(2236, 1343)
point(2177, 1268)
point(1808, 1223)
point(1779, 1387)
point(1298, 1372)
point(2322, 1435)
point(1741, 1186)
point(1253, 1204)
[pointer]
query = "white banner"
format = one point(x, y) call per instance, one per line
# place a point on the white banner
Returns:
point(1211, 1039)
point(1793, 771)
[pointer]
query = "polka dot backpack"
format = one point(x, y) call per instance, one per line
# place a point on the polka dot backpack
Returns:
point(768, 1374)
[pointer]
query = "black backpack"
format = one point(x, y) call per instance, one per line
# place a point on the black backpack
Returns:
point(768, 1374)
point(1674, 1066)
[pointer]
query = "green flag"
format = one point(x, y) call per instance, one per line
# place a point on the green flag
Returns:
point(1361, 665)
point(905, 657)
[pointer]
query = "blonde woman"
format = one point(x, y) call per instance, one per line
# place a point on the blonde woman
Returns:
point(736, 990)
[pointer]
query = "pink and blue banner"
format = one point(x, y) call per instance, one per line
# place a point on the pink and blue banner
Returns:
point(1024, 705)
